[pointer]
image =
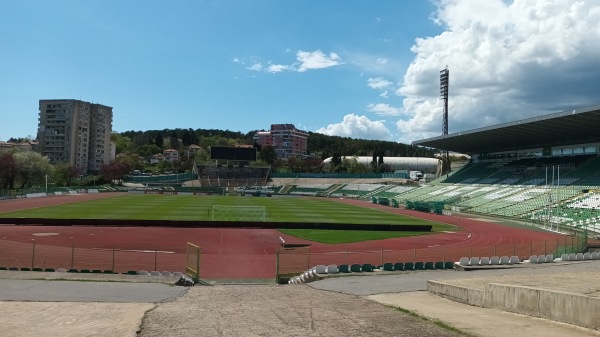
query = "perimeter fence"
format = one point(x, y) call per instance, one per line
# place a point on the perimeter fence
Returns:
point(35, 256)
point(294, 261)
point(285, 262)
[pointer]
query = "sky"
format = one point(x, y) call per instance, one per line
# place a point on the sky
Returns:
point(359, 69)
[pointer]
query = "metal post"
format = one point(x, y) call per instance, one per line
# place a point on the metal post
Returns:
point(347, 257)
point(72, 256)
point(545, 247)
point(494, 250)
point(33, 256)
point(155, 258)
point(443, 254)
point(414, 254)
point(572, 244)
point(113, 259)
point(198, 263)
point(308, 260)
point(382, 257)
point(277, 266)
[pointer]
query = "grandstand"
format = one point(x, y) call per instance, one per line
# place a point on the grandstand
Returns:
point(544, 169)
point(231, 176)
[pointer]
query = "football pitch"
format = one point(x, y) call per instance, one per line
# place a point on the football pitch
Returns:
point(200, 208)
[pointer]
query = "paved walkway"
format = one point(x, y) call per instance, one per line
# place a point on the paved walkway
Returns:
point(480, 321)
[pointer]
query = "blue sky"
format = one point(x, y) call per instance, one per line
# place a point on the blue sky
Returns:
point(362, 69)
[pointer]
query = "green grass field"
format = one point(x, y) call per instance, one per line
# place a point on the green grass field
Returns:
point(200, 208)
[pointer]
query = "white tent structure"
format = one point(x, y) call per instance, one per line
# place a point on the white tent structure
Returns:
point(425, 165)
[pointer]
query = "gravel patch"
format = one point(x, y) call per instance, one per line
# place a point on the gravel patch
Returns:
point(272, 310)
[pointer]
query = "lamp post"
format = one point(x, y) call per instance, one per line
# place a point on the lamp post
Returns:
point(46, 176)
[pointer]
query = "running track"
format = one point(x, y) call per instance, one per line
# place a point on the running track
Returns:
point(244, 253)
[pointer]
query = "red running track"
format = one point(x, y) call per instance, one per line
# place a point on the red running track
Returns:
point(244, 253)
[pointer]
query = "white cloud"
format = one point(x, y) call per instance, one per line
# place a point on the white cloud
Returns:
point(316, 60)
point(276, 68)
point(381, 60)
point(306, 61)
point(508, 60)
point(379, 83)
point(255, 67)
point(383, 109)
point(354, 126)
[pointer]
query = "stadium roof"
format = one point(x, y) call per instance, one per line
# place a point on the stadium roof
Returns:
point(561, 128)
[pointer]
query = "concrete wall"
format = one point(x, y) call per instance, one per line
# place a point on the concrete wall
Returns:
point(555, 305)
point(560, 306)
point(456, 293)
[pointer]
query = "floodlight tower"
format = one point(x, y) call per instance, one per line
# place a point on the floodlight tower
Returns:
point(444, 82)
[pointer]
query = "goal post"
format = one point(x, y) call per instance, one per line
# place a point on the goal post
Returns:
point(239, 213)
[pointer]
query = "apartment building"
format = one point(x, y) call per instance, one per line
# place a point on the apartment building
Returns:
point(285, 139)
point(75, 132)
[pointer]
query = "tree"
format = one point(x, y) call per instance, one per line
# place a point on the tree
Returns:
point(159, 140)
point(174, 140)
point(201, 156)
point(122, 143)
point(113, 171)
point(336, 159)
point(374, 162)
point(268, 155)
point(380, 163)
point(8, 170)
point(355, 167)
point(189, 137)
point(65, 173)
point(32, 168)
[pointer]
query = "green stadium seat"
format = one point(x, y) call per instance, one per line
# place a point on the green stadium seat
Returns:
point(108, 272)
point(398, 266)
point(85, 271)
point(37, 269)
point(449, 265)
point(409, 266)
point(131, 272)
point(439, 265)
point(13, 268)
point(429, 266)
point(367, 267)
point(388, 266)
point(3, 268)
point(50, 270)
point(25, 269)
point(72, 270)
point(96, 271)
point(419, 266)
point(355, 268)
point(343, 268)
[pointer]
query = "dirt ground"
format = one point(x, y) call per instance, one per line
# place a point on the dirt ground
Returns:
point(68, 319)
point(279, 311)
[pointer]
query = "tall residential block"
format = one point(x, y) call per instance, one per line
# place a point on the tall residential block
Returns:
point(285, 139)
point(75, 132)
